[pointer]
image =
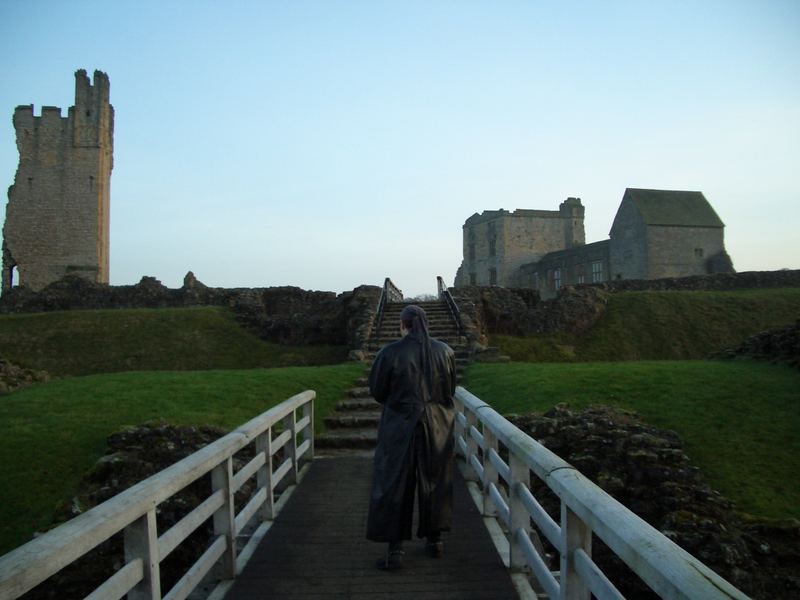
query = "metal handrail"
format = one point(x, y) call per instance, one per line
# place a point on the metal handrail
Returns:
point(134, 512)
point(393, 293)
point(446, 296)
point(586, 509)
point(389, 293)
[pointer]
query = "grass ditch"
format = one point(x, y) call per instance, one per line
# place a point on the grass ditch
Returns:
point(82, 342)
point(663, 325)
point(740, 421)
point(53, 433)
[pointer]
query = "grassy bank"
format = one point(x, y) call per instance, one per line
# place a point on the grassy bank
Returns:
point(53, 433)
point(740, 421)
point(104, 341)
point(653, 325)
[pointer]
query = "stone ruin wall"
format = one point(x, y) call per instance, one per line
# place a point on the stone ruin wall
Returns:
point(286, 315)
point(521, 311)
point(57, 217)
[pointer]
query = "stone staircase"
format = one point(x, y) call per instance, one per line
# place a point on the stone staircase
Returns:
point(353, 427)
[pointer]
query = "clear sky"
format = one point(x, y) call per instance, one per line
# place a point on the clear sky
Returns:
point(333, 143)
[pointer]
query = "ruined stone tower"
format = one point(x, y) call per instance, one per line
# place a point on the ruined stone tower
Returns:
point(57, 217)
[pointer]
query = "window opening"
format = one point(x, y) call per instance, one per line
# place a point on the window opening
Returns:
point(12, 276)
point(597, 272)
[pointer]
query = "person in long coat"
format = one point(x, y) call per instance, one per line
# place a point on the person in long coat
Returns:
point(414, 379)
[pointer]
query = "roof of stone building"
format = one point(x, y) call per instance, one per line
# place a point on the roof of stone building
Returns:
point(673, 207)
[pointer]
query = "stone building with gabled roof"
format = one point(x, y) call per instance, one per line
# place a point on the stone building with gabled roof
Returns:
point(655, 234)
point(665, 233)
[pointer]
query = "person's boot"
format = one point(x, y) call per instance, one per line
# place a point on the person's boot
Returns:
point(434, 546)
point(393, 559)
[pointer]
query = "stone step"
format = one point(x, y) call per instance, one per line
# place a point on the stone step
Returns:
point(424, 305)
point(353, 420)
point(357, 404)
point(394, 334)
point(359, 392)
point(391, 324)
point(389, 317)
point(434, 331)
point(380, 343)
point(461, 360)
point(348, 438)
point(436, 317)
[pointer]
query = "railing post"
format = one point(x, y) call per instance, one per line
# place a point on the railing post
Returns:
point(264, 475)
point(520, 519)
point(458, 429)
point(308, 433)
point(574, 534)
point(472, 445)
point(290, 449)
point(489, 471)
point(224, 517)
point(141, 541)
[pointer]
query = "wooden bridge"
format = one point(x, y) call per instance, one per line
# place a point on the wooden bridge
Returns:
point(309, 542)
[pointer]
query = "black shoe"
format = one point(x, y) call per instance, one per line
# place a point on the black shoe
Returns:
point(435, 549)
point(393, 561)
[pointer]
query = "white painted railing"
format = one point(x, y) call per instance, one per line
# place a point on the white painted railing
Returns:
point(134, 512)
point(586, 510)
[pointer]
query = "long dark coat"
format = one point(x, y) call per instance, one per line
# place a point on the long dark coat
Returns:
point(397, 381)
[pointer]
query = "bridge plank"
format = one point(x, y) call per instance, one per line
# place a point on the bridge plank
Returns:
point(316, 548)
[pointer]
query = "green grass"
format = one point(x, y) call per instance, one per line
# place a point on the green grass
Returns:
point(740, 421)
point(656, 325)
point(53, 433)
point(81, 342)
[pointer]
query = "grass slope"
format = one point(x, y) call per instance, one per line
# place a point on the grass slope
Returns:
point(740, 421)
point(657, 325)
point(53, 433)
point(103, 341)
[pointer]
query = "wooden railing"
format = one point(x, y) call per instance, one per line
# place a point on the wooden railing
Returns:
point(134, 512)
point(445, 295)
point(483, 435)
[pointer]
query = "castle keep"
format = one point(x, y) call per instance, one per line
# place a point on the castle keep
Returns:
point(655, 234)
point(57, 217)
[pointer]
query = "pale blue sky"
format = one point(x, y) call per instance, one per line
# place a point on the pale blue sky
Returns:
point(328, 144)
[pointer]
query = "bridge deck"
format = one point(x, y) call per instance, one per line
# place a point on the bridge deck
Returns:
point(317, 549)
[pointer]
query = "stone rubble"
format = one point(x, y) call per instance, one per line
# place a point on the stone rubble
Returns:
point(781, 345)
point(134, 454)
point(646, 469)
point(14, 377)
